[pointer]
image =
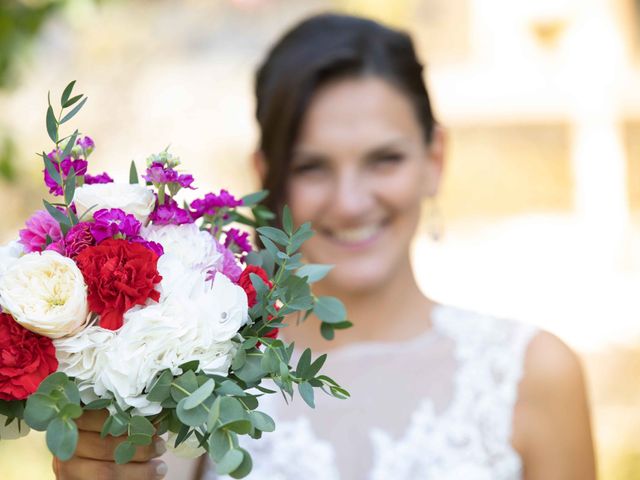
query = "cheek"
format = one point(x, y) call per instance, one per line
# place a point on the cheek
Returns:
point(307, 200)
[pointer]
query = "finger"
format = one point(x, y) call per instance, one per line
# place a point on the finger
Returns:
point(92, 420)
point(84, 468)
point(91, 446)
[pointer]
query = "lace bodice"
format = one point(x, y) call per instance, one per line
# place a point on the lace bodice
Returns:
point(439, 406)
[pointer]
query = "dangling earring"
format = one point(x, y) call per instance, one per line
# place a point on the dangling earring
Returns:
point(435, 221)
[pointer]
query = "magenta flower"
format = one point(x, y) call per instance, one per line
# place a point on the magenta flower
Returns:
point(86, 143)
point(211, 203)
point(78, 238)
point(229, 265)
point(37, 228)
point(157, 174)
point(153, 246)
point(111, 222)
point(237, 241)
point(100, 178)
point(79, 166)
point(170, 213)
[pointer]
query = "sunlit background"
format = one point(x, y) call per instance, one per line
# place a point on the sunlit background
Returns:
point(541, 99)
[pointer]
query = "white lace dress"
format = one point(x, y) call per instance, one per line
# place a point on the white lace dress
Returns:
point(439, 406)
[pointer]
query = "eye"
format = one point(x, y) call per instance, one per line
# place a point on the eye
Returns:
point(309, 166)
point(387, 158)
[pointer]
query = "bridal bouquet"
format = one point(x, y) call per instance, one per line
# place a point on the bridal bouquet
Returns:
point(116, 296)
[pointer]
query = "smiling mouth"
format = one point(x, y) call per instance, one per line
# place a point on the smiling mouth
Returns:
point(355, 236)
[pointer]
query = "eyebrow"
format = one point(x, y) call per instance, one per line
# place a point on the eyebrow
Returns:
point(309, 153)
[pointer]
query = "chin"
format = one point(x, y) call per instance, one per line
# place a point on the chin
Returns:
point(359, 277)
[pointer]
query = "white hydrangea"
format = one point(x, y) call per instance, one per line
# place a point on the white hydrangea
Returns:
point(9, 253)
point(195, 248)
point(138, 200)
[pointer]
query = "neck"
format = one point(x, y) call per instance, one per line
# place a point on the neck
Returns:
point(395, 311)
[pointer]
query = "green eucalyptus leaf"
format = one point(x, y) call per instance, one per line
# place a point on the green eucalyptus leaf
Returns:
point(60, 217)
point(73, 112)
point(99, 404)
point(304, 362)
point(274, 234)
point(245, 467)
point(71, 410)
point(306, 392)
point(52, 170)
point(119, 425)
point(254, 198)
point(287, 221)
point(124, 452)
point(199, 396)
point(66, 93)
point(185, 382)
point(56, 380)
point(62, 438)
point(327, 331)
point(213, 415)
point(161, 387)
point(220, 442)
point(252, 371)
point(316, 366)
point(262, 421)
point(230, 388)
point(241, 427)
point(73, 100)
point(141, 431)
point(330, 310)
point(270, 246)
point(70, 186)
point(229, 462)
point(52, 125)
point(39, 411)
point(133, 174)
point(70, 143)
point(314, 272)
point(194, 417)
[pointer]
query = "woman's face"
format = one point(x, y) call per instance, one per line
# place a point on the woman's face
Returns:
point(359, 171)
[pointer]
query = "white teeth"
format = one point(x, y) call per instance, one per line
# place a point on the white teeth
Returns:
point(356, 235)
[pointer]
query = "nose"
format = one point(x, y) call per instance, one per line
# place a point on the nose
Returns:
point(353, 196)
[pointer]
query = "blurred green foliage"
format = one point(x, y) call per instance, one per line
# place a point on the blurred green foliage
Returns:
point(20, 22)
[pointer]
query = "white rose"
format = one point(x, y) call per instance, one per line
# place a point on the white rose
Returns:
point(195, 248)
point(9, 253)
point(16, 429)
point(135, 199)
point(82, 357)
point(45, 293)
point(197, 323)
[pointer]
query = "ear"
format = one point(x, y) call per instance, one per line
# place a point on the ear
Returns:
point(435, 161)
point(259, 165)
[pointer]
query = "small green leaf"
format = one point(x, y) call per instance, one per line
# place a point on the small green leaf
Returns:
point(287, 221)
point(133, 174)
point(72, 101)
point(98, 404)
point(73, 112)
point(161, 387)
point(71, 410)
point(52, 170)
point(39, 411)
point(316, 366)
point(229, 462)
point(62, 438)
point(245, 467)
point(306, 392)
point(60, 217)
point(228, 387)
point(194, 417)
point(327, 331)
point(220, 442)
point(253, 198)
point(70, 144)
point(330, 310)
point(214, 414)
point(70, 186)
point(124, 452)
point(66, 93)
point(141, 431)
point(278, 236)
point(52, 125)
point(187, 381)
point(314, 272)
point(199, 396)
point(262, 421)
point(304, 363)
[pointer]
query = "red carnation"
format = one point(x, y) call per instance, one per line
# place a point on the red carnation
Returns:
point(245, 282)
point(26, 359)
point(119, 274)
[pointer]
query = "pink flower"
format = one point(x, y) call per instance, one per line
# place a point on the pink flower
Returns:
point(77, 239)
point(37, 228)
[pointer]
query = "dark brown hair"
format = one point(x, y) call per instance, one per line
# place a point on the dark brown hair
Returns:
point(320, 49)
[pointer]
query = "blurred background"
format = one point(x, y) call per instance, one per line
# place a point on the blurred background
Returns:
point(541, 200)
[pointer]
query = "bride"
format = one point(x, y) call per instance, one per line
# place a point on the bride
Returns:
point(349, 142)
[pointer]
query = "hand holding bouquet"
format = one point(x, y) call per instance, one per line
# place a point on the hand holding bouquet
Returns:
point(118, 297)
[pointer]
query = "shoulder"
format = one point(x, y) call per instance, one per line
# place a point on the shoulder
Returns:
point(551, 418)
point(552, 371)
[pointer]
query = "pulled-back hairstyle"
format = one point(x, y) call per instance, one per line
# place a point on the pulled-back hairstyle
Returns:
point(318, 50)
